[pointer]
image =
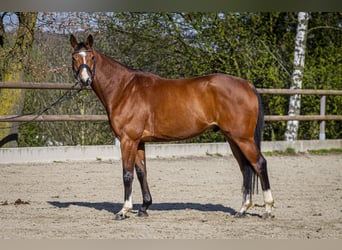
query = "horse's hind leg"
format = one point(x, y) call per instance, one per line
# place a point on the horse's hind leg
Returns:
point(265, 185)
point(247, 174)
point(140, 168)
point(259, 164)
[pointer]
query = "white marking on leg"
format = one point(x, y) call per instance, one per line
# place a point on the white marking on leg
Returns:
point(246, 203)
point(128, 203)
point(268, 196)
point(127, 206)
point(268, 199)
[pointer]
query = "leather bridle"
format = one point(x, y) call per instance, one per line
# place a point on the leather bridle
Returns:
point(83, 65)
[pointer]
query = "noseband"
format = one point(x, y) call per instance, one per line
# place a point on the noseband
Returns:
point(83, 65)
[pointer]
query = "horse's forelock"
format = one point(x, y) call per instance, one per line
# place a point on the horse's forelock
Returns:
point(81, 45)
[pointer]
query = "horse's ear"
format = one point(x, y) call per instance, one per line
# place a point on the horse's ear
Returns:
point(73, 41)
point(90, 41)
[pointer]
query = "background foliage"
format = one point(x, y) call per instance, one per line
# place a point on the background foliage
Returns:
point(249, 45)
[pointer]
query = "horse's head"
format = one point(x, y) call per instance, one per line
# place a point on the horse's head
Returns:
point(83, 60)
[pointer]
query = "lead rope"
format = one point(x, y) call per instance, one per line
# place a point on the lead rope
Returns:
point(67, 95)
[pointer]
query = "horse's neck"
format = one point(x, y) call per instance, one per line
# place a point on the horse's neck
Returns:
point(110, 79)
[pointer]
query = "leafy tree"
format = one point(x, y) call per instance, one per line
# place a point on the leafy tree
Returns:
point(13, 59)
point(323, 71)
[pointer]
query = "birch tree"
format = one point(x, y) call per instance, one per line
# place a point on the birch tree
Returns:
point(291, 132)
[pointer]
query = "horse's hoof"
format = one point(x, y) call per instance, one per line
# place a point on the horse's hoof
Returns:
point(142, 214)
point(267, 215)
point(240, 215)
point(120, 217)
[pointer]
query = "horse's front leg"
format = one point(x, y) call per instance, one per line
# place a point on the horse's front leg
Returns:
point(140, 168)
point(128, 154)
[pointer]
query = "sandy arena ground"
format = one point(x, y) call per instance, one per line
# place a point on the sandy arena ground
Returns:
point(194, 198)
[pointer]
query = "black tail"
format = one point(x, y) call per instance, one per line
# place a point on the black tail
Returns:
point(260, 122)
point(251, 185)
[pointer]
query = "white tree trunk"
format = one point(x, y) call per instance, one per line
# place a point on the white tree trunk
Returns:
point(297, 75)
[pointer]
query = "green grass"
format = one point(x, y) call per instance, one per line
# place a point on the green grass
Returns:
point(287, 151)
point(213, 155)
point(292, 151)
point(326, 151)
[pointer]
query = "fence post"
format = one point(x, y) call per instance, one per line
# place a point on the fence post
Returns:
point(322, 123)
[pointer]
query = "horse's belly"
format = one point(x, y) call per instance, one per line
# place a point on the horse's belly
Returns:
point(176, 129)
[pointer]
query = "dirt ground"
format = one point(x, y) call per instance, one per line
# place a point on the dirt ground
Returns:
point(194, 198)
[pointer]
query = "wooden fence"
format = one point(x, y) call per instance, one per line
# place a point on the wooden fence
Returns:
point(52, 118)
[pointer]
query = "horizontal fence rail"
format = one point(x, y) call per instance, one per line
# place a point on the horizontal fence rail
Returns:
point(37, 85)
point(99, 118)
point(49, 85)
point(299, 91)
point(96, 118)
point(54, 118)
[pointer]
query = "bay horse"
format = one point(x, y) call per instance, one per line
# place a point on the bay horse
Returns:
point(143, 107)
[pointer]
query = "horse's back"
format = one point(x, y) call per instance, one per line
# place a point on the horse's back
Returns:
point(212, 92)
point(186, 107)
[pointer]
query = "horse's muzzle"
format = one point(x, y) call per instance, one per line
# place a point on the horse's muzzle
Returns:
point(85, 83)
point(84, 75)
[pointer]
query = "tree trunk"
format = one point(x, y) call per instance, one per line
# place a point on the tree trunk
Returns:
point(12, 71)
point(291, 133)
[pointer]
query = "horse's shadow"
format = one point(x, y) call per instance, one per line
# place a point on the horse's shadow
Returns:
point(166, 206)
